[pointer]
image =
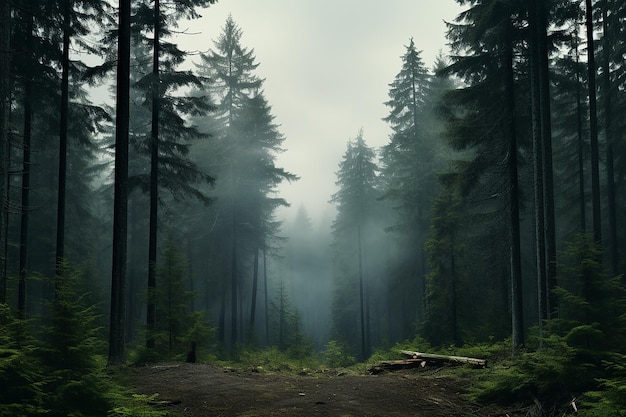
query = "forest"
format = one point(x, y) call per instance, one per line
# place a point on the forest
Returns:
point(144, 228)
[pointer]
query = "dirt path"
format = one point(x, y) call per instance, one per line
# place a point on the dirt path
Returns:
point(206, 391)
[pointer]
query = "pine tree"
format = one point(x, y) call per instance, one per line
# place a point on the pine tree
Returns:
point(593, 125)
point(5, 54)
point(154, 19)
point(482, 118)
point(356, 209)
point(445, 247)
point(409, 162)
point(242, 154)
point(120, 209)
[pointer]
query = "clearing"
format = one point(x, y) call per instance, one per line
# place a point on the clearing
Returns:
point(200, 390)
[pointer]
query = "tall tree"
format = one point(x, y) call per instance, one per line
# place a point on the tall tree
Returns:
point(593, 125)
point(230, 68)
point(538, 18)
point(67, 6)
point(356, 207)
point(259, 143)
point(5, 105)
point(158, 23)
point(160, 20)
point(120, 209)
point(26, 168)
point(73, 23)
point(609, 128)
point(482, 118)
point(408, 171)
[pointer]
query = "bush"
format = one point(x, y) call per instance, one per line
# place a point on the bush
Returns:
point(336, 355)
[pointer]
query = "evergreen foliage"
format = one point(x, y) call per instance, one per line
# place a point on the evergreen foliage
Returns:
point(580, 350)
point(21, 376)
point(177, 327)
point(354, 228)
point(75, 381)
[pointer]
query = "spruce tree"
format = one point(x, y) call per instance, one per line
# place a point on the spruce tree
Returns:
point(356, 202)
point(242, 155)
point(409, 162)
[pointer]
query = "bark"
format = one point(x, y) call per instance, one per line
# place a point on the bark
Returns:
point(5, 94)
point(540, 242)
point(255, 284)
point(453, 307)
point(593, 127)
point(267, 318)
point(444, 358)
point(547, 166)
point(120, 203)
point(26, 165)
point(60, 243)
point(610, 140)
point(233, 285)
point(154, 182)
point(361, 293)
point(517, 309)
point(580, 142)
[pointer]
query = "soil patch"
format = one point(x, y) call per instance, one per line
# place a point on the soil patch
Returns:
point(198, 390)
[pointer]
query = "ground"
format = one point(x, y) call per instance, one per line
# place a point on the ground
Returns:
point(199, 390)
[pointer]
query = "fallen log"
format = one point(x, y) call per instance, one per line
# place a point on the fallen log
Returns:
point(393, 365)
point(430, 357)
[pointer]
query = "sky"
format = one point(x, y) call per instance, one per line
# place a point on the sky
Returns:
point(327, 66)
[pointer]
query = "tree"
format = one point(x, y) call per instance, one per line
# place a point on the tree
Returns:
point(259, 140)
point(593, 125)
point(408, 165)
point(482, 120)
point(441, 324)
point(242, 155)
point(72, 25)
point(5, 100)
point(120, 209)
point(230, 67)
point(158, 24)
point(545, 230)
point(356, 208)
point(608, 92)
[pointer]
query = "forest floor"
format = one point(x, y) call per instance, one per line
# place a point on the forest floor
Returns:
point(199, 390)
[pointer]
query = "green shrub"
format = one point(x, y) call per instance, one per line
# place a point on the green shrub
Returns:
point(21, 376)
point(72, 354)
point(336, 355)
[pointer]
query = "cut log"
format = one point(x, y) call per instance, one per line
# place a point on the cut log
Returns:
point(430, 357)
point(397, 364)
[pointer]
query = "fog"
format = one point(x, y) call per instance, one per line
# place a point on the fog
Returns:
point(327, 66)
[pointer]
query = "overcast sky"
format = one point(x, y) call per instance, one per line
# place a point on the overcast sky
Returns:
point(327, 66)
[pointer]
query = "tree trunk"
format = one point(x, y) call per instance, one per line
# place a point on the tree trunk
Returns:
point(540, 243)
point(453, 307)
point(60, 243)
point(120, 203)
point(547, 166)
point(610, 139)
point(593, 128)
point(458, 359)
point(540, 235)
point(580, 142)
point(5, 107)
point(255, 284)
point(26, 166)
point(364, 347)
point(233, 285)
point(154, 182)
point(517, 309)
point(267, 318)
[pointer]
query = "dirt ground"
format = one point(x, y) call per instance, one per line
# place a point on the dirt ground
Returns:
point(197, 390)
